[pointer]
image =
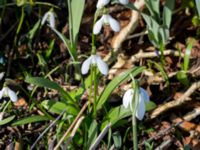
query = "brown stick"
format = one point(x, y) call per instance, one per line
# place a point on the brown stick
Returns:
point(175, 103)
point(72, 125)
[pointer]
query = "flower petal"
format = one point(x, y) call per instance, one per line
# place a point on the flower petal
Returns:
point(140, 110)
point(1, 94)
point(86, 66)
point(98, 25)
point(102, 66)
point(114, 24)
point(144, 94)
point(12, 95)
point(127, 98)
point(102, 3)
point(52, 19)
point(44, 18)
point(124, 2)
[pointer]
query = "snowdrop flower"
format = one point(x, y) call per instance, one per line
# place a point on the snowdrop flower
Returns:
point(7, 92)
point(140, 108)
point(95, 60)
point(108, 20)
point(124, 2)
point(50, 18)
point(102, 3)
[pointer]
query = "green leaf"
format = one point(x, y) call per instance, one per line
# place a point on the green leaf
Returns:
point(167, 12)
point(182, 77)
point(187, 56)
point(92, 133)
point(117, 139)
point(198, 6)
point(32, 32)
point(7, 120)
point(77, 7)
point(115, 83)
point(153, 7)
point(116, 114)
point(58, 107)
point(67, 44)
point(49, 50)
point(30, 119)
point(42, 82)
point(150, 106)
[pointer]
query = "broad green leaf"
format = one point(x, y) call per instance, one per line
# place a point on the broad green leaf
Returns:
point(7, 120)
point(92, 133)
point(115, 83)
point(116, 114)
point(30, 119)
point(153, 7)
point(58, 107)
point(167, 12)
point(198, 6)
point(39, 81)
point(77, 7)
point(150, 106)
point(187, 56)
point(182, 77)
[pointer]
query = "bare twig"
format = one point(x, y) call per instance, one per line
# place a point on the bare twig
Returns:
point(100, 137)
point(51, 125)
point(74, 130)
point(72, 125)
point(175, 103)
point(119, 38)
point(189, 116)
point(141, 54)
point(164, 144)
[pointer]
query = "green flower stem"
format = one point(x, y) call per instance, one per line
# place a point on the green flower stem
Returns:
point(162, 55)
point(93, 35)
point(95, 89)
point(90, 90)
point(134, 126)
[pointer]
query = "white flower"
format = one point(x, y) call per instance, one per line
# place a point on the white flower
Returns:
point(95, 60)
point(124, 2)
point(108, 20)
point(7, 92)
point(102, 3)
point(50, 18)
point(140, 108)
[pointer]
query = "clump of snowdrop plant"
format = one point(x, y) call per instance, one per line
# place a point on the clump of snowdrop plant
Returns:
point(49, 17)
point(140, 107)
point(106, 19)
point(7, 92)
point(135, 99)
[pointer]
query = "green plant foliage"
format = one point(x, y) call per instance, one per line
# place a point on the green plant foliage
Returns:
point(115, 83)
point(77, 7)
point(115, 114)
point(58, 107)
point(198, 6)
point(117, 139)
point(39, 81)
point(92, 133)
point(182, 77)
point(30, 119)
point(7, 120)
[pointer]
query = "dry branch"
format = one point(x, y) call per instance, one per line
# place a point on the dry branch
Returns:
point(175, 103)
point(124, 33)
